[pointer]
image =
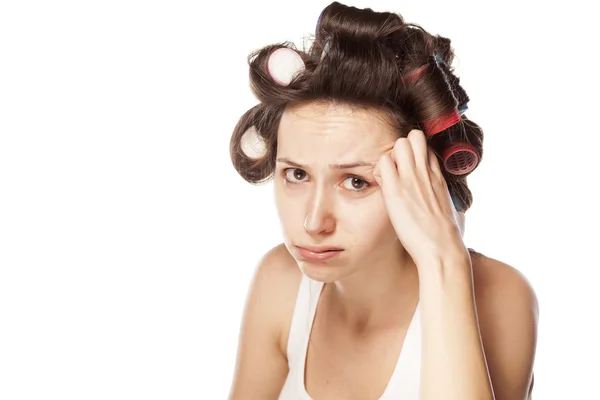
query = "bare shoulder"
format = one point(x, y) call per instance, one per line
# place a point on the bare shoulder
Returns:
point(261, 364)
point(281, 275)
point(508, 310)
point(500, 283)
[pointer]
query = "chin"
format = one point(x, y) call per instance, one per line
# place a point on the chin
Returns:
point(317, 273)
point(321, 272)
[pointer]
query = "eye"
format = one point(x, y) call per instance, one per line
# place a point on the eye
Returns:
point(355, 183)
point(352, 183)
point(294, 175)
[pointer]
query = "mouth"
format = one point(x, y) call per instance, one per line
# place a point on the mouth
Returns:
point(316, 254)
point(320, 249)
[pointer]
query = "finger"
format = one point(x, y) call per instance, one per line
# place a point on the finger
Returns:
point(403, 156)
point(438, 182)
point(419, 145)
point(386, 173)
point(434, 165)
point(440, 187)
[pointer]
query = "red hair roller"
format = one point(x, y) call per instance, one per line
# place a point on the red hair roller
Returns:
point(439, 124)
point(460, 159)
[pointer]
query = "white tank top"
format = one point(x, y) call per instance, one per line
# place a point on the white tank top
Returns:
point(405, 380)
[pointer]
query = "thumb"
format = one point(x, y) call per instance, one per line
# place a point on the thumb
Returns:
point(386, 172)
point(376, 174)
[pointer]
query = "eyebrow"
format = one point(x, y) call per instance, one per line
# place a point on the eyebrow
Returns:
point(332, 166)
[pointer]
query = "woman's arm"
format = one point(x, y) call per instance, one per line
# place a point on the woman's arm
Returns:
point(261, 367)
point(454, 365)
point(454, 362)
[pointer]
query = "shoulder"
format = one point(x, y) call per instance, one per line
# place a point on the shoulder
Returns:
point(508, 310)
point(277, 278)
point(498, 281)
point(261, 363)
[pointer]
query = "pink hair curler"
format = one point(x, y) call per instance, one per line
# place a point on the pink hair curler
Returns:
point(283, 65)
point(252, 144)
point(460, 158)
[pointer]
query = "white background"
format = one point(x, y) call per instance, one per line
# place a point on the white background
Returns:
point(127, 240)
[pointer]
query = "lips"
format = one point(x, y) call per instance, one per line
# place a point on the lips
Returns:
point(320, 249)
point(318, 253)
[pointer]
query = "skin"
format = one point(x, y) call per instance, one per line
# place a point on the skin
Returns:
point(319, 205)
point(372, 287)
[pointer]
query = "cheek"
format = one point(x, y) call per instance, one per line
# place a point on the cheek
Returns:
point(289, 208)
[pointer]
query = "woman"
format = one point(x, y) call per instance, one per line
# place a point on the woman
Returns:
point(373, 294)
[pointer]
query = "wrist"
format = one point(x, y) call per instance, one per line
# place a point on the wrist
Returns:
point(451, 265)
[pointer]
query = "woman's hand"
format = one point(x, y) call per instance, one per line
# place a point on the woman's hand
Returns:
point(418, 202)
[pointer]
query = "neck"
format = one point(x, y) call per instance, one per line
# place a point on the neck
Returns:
point(380, 295)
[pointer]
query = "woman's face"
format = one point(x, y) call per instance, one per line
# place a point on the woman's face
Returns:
point(325, 192)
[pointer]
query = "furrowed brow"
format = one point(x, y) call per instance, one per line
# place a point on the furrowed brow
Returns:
point(332, 166)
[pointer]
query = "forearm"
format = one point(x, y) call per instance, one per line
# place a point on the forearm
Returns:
point(453, 361)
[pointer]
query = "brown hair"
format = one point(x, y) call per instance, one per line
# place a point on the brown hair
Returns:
point(368, 55)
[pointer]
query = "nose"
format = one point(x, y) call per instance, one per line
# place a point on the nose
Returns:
point(320, 219)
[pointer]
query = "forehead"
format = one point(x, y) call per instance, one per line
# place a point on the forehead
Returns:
point(334, 131)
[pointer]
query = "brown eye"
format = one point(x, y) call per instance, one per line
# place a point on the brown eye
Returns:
point(295, 174)
point(356, 183)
